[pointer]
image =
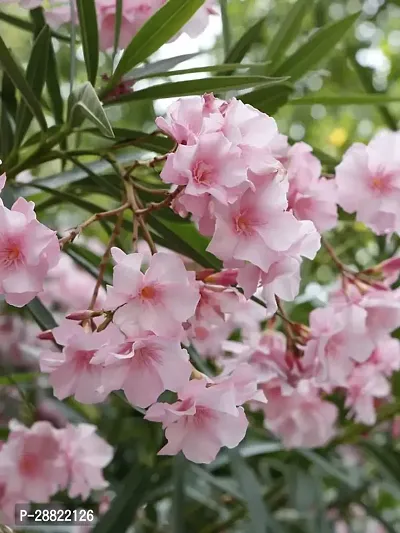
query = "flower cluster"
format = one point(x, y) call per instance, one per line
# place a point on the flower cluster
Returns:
point(237, 191)
point(38, 462)
point(134, 14)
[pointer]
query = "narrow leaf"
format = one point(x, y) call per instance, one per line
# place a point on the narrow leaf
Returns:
point(84, 103)
point(190, 87)
point(178, 496)
point(41, 315)
point(226, 30)
point(52, 81)
point(117, 29)
point(345, 99)
point(36, 74)
point(16, 75)
point(244, 44)
point(90, 37)
point(123, 508)
point(268, 99)
point(318, 46)
point(27, 26)
point(288, 30)
point(23, 377)
point(252, 493)
point(158, 30)
point(162, 66)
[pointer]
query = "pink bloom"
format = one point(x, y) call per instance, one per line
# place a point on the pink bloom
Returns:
point(189, 117)
point(368, 180)
point(86, 456)
point(212, 166)
point(208, 338)
point(204, 419)
point(301, 420)
point(199, 22)
point(310, 197)
point(364, 384)
point(282, 278)
point(144, 368)
point(2, 181)
point(32, 462)
point(243, 379)
point(28, 250)
point(338, 339)
point(386, 356)
point(159, 300)
point(72, 372)
point(216, 302)
point(256, 226)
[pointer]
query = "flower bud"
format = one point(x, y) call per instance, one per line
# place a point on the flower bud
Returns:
point(225, 277)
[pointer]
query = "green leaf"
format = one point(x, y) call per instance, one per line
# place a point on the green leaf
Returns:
point(152, 69)
point(84, 103)
point(209, 68)
point(90, 37)
point(189, 87)
point(261, 521)
point(226, 30)
point(124, 506)
point(8, 110)
point(141, 139)
point(288, 31)
point(23, 377)
point(318, 46)
point(178, 495)
point(17, 77)
point(27, 26)
point(117, 29)
point(36, 74)
point(244, 44)
point(345, 99)
point(329, 467)
point(270, 99)
point(52, 82)
point(387, 462)
point(184, 239)
point(41, 315)
point(158, 30)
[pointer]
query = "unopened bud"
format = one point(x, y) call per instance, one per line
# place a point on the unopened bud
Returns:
point(84, 315)
point(46, 335)
point(225, 277)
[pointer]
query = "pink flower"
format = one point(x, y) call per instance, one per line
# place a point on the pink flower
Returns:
point(364, 384)
point(386, 356)
point(212, 166)
point(86, 456)
point(256, 226)
point(144, 368)
point(282, 278)
point(204, 419)
point(159, 300)
point(216, 302)
point(189, 117)
point(72, 372)
point(32, 462)
point(199, 22)
point(208, 338)
point(338, 339)
point(301, 420)
point(368, 180)
point(310, 197)
point(28, 250)
point(243, 379)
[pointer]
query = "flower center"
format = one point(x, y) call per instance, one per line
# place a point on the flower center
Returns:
point(10, 255)
point(202, 173)
point(148, 292)
point(28, 464)
point(243, 224)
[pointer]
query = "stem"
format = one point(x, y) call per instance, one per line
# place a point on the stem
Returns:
point(106, 256)
point(94, 218)
point(164, 203)
point(133, 202)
